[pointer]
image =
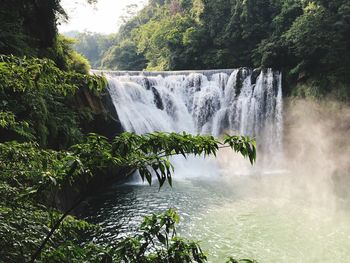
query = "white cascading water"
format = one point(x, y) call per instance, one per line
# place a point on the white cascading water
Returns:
point(239, 101)
point(209, 102)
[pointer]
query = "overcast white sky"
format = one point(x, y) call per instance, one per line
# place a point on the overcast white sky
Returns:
point(104, 17)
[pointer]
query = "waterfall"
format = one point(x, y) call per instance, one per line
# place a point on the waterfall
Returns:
point(239, 101)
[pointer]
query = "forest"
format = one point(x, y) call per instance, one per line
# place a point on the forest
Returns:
point(61, 143)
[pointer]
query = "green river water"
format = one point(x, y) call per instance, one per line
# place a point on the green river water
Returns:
point(264, 217)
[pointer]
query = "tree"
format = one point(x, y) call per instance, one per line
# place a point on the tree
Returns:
point(93, 46)
point(41, 96)
point(36, 22)
point(29, 27)
point(124, 56)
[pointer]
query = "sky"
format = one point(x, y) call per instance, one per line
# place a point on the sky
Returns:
point(104, 17)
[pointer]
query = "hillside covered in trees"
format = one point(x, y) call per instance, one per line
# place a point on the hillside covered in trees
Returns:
point(308, 40)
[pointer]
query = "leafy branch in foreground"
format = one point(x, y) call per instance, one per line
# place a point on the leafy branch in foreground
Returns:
point(150, 153)
point(37, 174)
point(158, 242)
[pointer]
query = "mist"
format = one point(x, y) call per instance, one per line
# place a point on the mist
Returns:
point(314, 166)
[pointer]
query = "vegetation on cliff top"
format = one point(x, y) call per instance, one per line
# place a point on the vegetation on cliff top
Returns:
point(308, 40)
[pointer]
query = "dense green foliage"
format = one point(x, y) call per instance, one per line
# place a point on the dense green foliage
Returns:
point(39, 97)
point(307, 39)
point(29, 28)
point(36, 109)
point(123, 56)
point(29, 179)
point(66, 58)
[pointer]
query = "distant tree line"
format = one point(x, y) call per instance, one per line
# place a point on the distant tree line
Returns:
point(92, 45)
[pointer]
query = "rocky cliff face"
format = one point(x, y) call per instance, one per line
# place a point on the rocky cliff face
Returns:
point(102, 116)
